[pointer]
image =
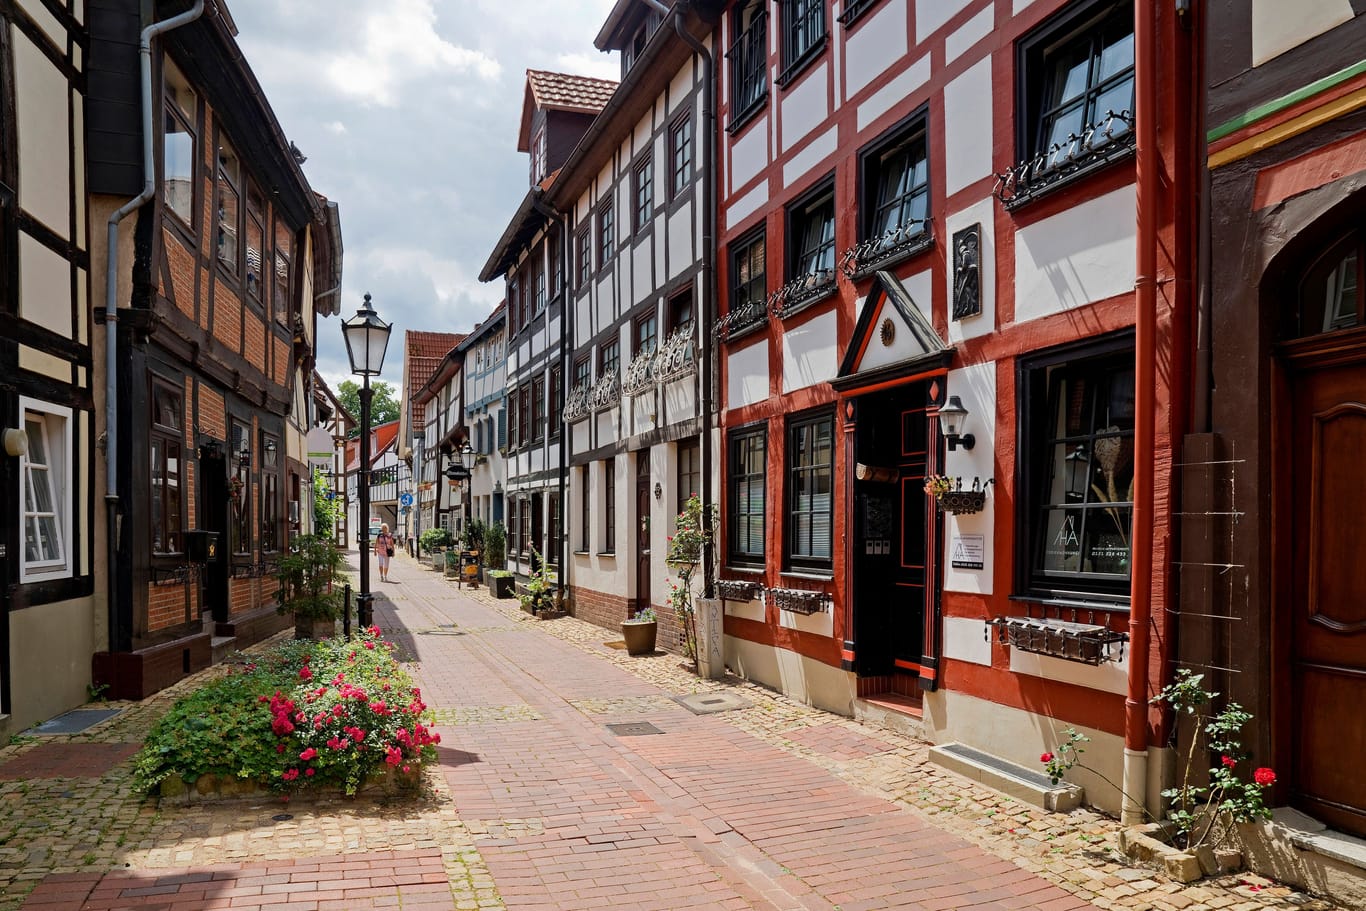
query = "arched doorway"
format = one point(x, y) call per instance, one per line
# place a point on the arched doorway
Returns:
point(1320, 496)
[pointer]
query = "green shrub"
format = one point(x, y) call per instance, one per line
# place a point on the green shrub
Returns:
point(499, 574)
point(495, 546)
point(475, 532)
point(309, 577)
point(305, 714)
point(433, 538)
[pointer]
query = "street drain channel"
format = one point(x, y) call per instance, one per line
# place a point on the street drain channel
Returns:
point(633, 728)
point(73, 722)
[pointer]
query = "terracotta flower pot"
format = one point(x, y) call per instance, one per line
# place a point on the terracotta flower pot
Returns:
point(640, 637)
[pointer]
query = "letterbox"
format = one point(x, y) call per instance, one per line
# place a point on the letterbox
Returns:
point(201, 546)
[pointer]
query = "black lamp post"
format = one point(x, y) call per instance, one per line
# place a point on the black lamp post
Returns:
point(458, 472)
point(366, 338)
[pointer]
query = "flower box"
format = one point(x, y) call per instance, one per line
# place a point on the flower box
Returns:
point(799, 600)
point(737, 590)
point(1085, 643)
point(963, 502)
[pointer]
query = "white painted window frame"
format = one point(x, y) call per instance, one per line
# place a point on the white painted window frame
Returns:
point(56, 426)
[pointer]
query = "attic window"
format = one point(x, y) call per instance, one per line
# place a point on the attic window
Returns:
point(538, 157)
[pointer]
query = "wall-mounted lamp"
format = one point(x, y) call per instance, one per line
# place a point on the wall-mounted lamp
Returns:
point(952, 417)
point(244, 457)
point(270, 445)
point(16, 441)
point(659, 491)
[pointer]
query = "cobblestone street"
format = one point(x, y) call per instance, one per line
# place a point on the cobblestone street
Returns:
point(538, 804)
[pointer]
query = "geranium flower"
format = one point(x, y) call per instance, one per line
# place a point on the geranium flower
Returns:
point(1228, 761)
point(1264, 777)
point(282, 725)
point(289, 774)
point(370, 645)
point(1046, 757)
point(393, 756)
point(309, 772)
point(305, 673)
point(308, 754)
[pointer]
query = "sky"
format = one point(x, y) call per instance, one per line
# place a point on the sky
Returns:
point(408, 111)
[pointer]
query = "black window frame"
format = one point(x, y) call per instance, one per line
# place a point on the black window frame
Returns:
point(645, 330)
point(881, 242)
point(1038, 377)
point(854, 10)
point(583, 372)
point(808, 558)
point(741, 249)
point(805, 254)
point(240, 522)
point(163, 439)
point(610, 347)
point(735, 444)
point(556, 409)
point(583, 244)
point(271, 530)
point(173, 110)
point(748, 55)
point(682, 310)
point(586, 512)
point(804, 34)
point(689, 471)
point(607, 237)
point(609, 505)
point(524, 415)
point(680, 154)
point(538, 408)
point(643, 192)
point(224, 183)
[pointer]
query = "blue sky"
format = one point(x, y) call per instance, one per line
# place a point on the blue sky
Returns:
point(408, 112)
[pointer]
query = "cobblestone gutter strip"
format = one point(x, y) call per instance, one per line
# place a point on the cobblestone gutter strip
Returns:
point(1078, 850)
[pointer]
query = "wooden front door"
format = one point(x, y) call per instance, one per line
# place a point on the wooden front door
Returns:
point(213, 511)
point(1327, 593)
point(643, 530)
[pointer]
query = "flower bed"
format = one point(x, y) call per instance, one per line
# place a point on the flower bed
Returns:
point(332, 715)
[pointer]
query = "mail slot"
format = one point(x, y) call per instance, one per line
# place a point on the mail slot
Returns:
point(201, 546)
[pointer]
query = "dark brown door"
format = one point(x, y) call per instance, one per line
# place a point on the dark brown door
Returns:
point(213, 512)
point(1327, 599)
point(643, 529)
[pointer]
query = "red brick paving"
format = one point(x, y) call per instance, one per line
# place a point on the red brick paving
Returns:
point(62, 759)
point(835, 741)
point(384, 879)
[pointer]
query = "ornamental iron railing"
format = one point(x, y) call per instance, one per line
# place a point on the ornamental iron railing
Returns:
point(576, 406)
point(640, 374)
point(865, 256)
point(677, 356)
point(1108, 139)
point(742, 318)
point(606, 392)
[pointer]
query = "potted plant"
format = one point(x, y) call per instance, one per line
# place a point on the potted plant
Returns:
point(500, 583)
point(306, 576)
point(538, 596)
point(693, 531)
point(640, 632)
point(495, 547)
point(948, 492)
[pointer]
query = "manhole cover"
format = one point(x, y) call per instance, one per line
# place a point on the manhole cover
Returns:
point(633, 728)
point(73, 722)
point(707, 703)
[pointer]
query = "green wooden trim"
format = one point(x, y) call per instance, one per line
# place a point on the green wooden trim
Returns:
point(1279, 104)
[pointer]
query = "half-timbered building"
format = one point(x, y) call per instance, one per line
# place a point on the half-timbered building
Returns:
point(424, 354)
point(485, 402)
point(948, 209)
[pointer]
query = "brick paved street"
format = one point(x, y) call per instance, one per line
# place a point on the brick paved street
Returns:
point(537, 804)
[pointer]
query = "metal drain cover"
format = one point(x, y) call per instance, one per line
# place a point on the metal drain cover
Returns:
point(633, 728)
point(707, 703)
point(73, 722)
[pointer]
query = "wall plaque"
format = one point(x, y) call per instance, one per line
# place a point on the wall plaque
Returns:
point(967, 282)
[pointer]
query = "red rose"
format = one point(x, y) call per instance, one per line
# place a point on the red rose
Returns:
point(1264, 777)
point(1046, 757)
point(290, 774)
point(308, 754)
point(1228, 761)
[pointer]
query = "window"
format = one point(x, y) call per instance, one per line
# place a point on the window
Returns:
point(689, 471)
point(271, 531)
point(524, 415)
point(585, 257)
point(646, 330)
point(240, 488)
point(229, 177)
point(257, 261)
point(645, 192)
point(502, 429)
point(164, 443)
point(45, 472)
point(556, 270)
point(1077, 433)
point(524, 293)
point(609, 357)
point(585, 511)
point(606, 236)
point(1330, 295)
point(609, 506)
point(582, 373)
point(538, 409)
point(556, 401)
point(178, 146)
point(748, 56)
point(896, 190)
point(538, 157)
point(514, 528)
point(748, 282)
point(853, 11)
point(283, 257)
point(811, 230)
point(810, 500)
point(748, 458)
point(552, 544)
point(513, 440)
point(513, 286)
point(680, 311)
point(538, 270)
point(1078, 90)
point(529, 516)
point(680, 154)
point(803, 24)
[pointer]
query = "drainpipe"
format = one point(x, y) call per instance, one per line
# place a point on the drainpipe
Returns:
point(111, 308)
point(1135, 774)
point(709, 276)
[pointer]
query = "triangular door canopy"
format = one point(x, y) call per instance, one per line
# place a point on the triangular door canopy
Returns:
point(892, 338)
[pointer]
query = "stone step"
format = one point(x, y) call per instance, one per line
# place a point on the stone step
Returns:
point(1025, 785)
point(222, 647)
point(892, 713)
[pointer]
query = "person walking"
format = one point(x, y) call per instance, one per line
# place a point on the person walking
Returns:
point(384, 550)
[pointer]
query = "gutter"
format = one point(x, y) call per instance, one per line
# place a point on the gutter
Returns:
point(1135, 769)
point(117, 636)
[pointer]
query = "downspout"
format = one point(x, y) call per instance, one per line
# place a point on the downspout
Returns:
point(552, 214)
point(111, 309)
point(709, 276)
point(1135, 770)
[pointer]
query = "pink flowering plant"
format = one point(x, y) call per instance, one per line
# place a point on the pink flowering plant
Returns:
point(332, 713)
point(694, 531)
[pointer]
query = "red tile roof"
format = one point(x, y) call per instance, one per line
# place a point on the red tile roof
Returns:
point(382, 436)
point(561, 92)
point(422, 354)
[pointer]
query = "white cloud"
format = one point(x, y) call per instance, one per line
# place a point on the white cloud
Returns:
point(336, 127)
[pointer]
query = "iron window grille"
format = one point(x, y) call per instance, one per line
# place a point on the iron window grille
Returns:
point(645, 192)
point(896, 200)
point(1078, 100)
point(748, 57)
point(680, 154)
point(810, 491)
point(746, 500)
point(804, 35)
point(1077, 433)
point(748, 289)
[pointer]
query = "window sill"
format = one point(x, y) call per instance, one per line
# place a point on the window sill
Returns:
point(1097, 164)
point(608, 553)
point(810, 299)
point(895, 257)
point(583, 553)
point(798, 66)
point(810, 575)
point(747, 570)
point(1079, 601)
point(747, 329)
point(742, 119)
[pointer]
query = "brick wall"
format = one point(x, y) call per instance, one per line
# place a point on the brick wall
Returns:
point(182, 271)
point(607, 611)
point(166, 605)
point(212, 416)
point(281, 361)
point(227, 316)
point(255, 334)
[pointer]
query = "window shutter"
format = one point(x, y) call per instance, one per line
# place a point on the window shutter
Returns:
point(502, 428)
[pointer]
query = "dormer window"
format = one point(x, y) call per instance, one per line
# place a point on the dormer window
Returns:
point(538, 157)
point(633, 49)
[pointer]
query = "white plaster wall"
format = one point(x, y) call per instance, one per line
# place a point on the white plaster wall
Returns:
point(1079, 256)
point(680, 241)
point(810, 352)
point(1278, 26)
point(44, 363)
point(800, 678)
point(642, 412)
point(982, 213)
point(742, 208)
point(816, 151)
point(606, 298)
point(583, 320)
point(1109, 677)
point(967, 639)
point(968, 126)
point(45, 21)
point(641, 274)
point(894, 92)
point(41, 101)
point(680, 87)
point(930, 15)
point(57, 674)
point(878, 40)
point(605, 423)
point(805, 105)
point(641, 137)
point(749, 153)
point(747, 374)
point(749, 610)
point(903, 346)
point(975, 386)
point(680, 400)
point(821, 623)
point(969, 33)
point(44, 286)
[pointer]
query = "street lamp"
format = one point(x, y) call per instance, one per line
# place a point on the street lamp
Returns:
point(458, 473)
point(366, 338)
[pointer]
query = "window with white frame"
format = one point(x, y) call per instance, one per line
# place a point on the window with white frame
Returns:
point(45, 472)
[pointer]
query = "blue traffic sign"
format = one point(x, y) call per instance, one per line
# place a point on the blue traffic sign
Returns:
point(406, 500)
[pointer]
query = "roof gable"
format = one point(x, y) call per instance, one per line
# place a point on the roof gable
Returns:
point(893, 337)
point(560, 92)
